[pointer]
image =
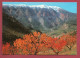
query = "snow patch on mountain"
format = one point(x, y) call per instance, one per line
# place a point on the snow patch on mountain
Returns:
point(56, 8)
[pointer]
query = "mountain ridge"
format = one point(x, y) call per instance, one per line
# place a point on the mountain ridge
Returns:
point(38, 18)
point(56, 8)
point(41, 19)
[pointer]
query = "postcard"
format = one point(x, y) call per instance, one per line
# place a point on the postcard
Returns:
point(39, 29)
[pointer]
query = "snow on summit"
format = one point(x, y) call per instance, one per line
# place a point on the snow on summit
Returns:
point(56, 8)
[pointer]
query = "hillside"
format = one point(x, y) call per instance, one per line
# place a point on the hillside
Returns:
point(12, 29)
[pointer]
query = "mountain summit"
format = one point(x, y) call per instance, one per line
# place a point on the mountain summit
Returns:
point(34, 6)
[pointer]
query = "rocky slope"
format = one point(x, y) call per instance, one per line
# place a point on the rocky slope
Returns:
point(39, 17)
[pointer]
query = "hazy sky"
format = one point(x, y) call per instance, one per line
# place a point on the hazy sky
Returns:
point(69, 6)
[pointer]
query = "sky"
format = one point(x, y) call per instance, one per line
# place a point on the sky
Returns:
point(69, 6)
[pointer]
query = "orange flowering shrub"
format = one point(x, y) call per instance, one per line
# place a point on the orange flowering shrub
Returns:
point(70, 40)
point(6, 49)
point(58, 45)
point(33, 43)
point(54, 43)
point(30, 44)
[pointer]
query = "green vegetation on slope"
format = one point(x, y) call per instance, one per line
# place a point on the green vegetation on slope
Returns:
point(12, 29)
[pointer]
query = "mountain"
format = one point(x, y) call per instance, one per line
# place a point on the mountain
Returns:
point(49, 19)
